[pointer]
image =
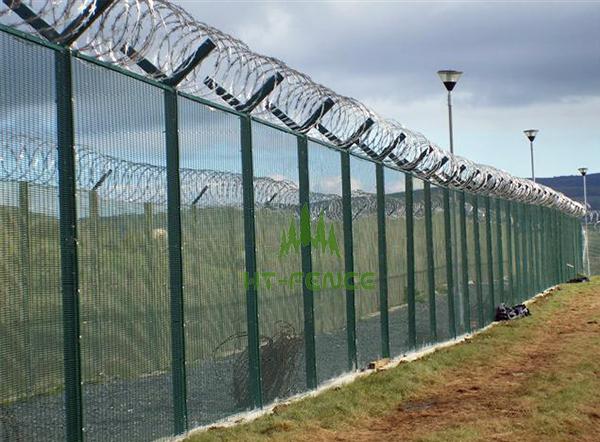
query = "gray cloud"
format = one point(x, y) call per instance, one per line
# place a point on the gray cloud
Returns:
point(511, 53)
point(526, 64)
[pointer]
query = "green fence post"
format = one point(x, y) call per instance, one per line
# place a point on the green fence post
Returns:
point(465, 261)
point(536, 260)
point(382, 248)
point(556, 247)
point(538, 239)
point(478, 270)
point(500, 245)
point(430, 260)
point(490, 256)
point(531, 251)
point(175, 263)
point(527, 251)
point(509, 249)
point(549, 245)
point(521, 252)
point(307, 293)
point(546, 237)
point(449, 264)
point(348, 261)
point(250, 258)
point(410, 262)
point(25, 264)
point(518, 249)
point(559, 244)
point(68, 244)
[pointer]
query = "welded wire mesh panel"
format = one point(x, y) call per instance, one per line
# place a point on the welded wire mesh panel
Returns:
point(421, 269)
point(483, 242)
point(593, 244)
point(213, 263)
point(439, 260)
point(495, 283)
point(123, 254)
point(278, 254)
point(515, 245)
point(505, 251)
point(395, 236)
point(31, 322)
point(366, 264)
point(474, 300)
point(328, 263)
point(457, 264)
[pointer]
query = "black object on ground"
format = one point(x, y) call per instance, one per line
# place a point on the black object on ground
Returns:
point(505, 313)
point(579, 278)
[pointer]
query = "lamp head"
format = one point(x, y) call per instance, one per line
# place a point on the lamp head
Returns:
point(583, 171)
point(531, 133)
point(449, 78)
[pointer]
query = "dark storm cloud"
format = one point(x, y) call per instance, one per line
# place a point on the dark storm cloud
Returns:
point(513, 54)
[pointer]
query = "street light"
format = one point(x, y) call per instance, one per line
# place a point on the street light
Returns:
point(450, 78)
point(530, 134)
point(583, 172)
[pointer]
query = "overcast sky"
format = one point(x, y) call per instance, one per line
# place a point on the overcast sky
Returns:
point(530, 64)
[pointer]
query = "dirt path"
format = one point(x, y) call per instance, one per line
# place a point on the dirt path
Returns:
point(496, 396)
point(536, 379)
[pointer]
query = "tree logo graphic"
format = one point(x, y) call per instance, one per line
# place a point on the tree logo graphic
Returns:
point(320, 241)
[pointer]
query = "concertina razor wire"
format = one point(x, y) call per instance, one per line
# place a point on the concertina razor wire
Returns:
point(162, 41)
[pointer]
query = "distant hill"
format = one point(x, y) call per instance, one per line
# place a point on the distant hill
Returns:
point(572, 186)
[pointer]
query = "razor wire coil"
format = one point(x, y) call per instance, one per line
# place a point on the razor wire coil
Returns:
point(164, 42)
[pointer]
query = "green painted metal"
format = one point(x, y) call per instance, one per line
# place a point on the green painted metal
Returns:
point(546, 262)
point(250, 258)
point(525, 255)
point(500, 251)
point(538, 242)
point(558, 245)
point(151, 270)
point(25, 273)
point(478, 270)
point(465, 260)
point(382, 250)
point(68, 245)
point(306, 254)
point(542, 245)
point(178, 376)
point(349, 260)
point(509, 249)
point(517, 243)
point(530, 251)
point(449, 264)
point(490, 258)
point(410, 262)
point(430, 261)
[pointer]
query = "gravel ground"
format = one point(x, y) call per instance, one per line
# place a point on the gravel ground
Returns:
point(141, 409)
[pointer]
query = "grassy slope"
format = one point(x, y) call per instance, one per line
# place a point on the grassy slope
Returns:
point(532, 379)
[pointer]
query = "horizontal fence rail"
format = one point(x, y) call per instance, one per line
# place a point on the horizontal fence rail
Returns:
point(168, 262)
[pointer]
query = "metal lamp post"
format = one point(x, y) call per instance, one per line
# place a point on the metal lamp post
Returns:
point(450, 78)
point(530, 134)
point(583, 172)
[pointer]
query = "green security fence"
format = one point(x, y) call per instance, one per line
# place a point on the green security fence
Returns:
point(136, 306)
